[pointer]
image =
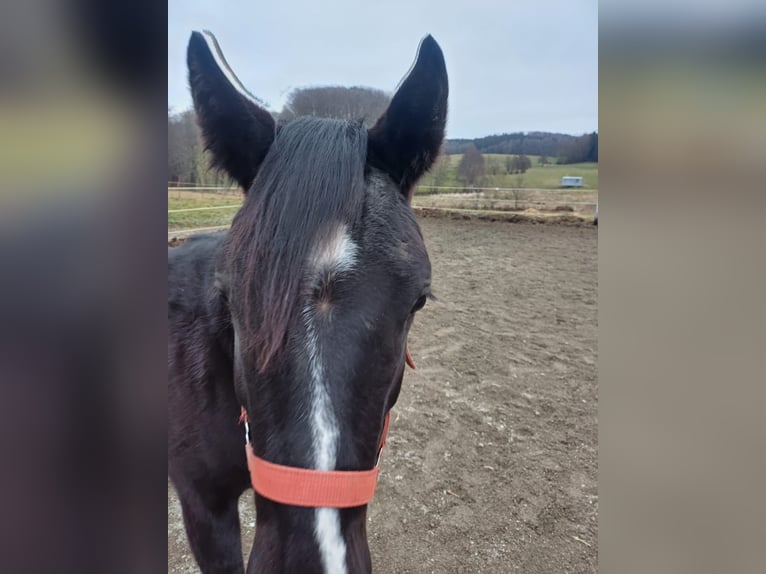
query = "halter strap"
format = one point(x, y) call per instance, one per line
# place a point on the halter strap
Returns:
point(314, 488)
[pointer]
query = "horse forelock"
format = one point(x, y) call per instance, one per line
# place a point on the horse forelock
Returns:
point(306, 198)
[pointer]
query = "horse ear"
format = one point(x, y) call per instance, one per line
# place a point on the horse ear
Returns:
point(406, 139)
point(236, 129)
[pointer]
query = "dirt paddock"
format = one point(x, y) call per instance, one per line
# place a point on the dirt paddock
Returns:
point(491, 465)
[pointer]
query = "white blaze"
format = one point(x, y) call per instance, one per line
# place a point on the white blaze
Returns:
point(337, 253)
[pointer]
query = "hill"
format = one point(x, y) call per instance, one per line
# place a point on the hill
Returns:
point(564, 147)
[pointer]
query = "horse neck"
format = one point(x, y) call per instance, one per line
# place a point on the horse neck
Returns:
point(290, 539)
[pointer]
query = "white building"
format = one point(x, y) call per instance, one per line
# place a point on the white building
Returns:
point(571, 181)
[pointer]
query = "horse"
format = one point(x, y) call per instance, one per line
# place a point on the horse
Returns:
point(295, 320)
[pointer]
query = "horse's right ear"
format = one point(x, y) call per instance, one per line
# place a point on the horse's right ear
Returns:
point(236, 129)
point(406, 139)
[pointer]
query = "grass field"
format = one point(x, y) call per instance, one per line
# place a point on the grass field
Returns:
point(202, 218)
point(537, 176)
point(553, 201)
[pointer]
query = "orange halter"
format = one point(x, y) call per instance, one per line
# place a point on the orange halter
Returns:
point(315, 488)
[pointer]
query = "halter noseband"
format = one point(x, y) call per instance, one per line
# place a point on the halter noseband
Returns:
point(314, 488)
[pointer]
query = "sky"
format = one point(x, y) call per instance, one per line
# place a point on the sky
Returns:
point(513, 65)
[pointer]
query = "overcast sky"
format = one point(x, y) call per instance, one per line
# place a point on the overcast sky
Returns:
point(514, 65)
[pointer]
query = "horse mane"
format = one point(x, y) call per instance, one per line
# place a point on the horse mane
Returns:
point(312, 177)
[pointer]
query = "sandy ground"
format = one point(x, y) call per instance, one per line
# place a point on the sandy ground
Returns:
point(491, 465)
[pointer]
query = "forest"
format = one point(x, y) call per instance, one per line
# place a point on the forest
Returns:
point(188, 162)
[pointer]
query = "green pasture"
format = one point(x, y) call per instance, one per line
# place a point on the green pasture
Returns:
point(537, 176)
point(201, 218)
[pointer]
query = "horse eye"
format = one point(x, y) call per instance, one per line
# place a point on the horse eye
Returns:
point(419, 304)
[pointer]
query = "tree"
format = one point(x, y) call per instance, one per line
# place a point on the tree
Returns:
point(440, 171)
point(518, 164)
point(543, 160)
point(183, 144)
point(583, 148)
point(519, 193)
point(471, 167)
point(188, 162)
point(520, 143)
point(356, 103)
point(509, 164)
point(592, 147)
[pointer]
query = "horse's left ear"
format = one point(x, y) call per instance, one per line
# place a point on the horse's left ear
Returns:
point(236, 129)
point(406, 139)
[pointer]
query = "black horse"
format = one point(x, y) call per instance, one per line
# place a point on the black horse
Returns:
point(299, 313)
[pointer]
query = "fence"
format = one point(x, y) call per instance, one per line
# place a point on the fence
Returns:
point(583, 201)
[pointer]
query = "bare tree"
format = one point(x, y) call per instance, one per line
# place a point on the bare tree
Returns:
point(471, 167)
point(440, 171)
point(518, 164)
point(519, 193)
point(183, 144)
point(188, 162)
point(493, 166)
point(356, 103)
